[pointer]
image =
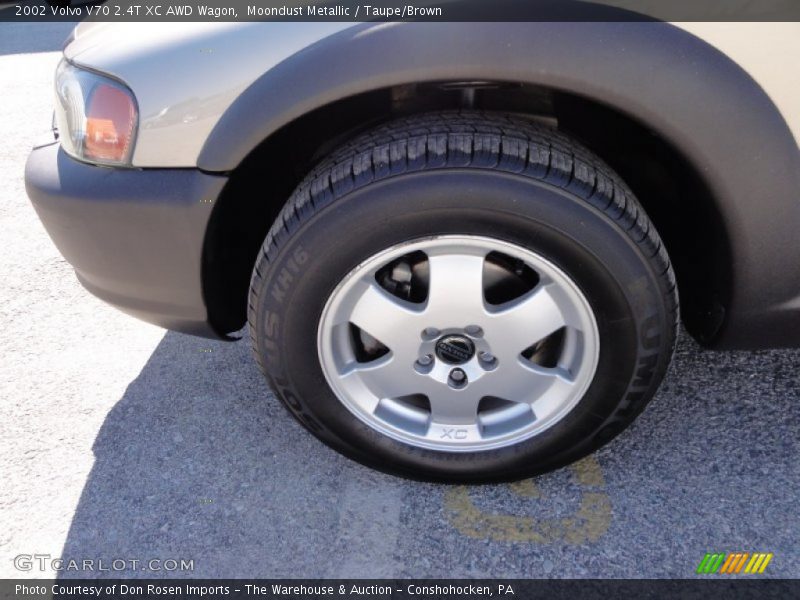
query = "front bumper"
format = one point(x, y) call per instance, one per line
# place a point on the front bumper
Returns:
point(133, 236)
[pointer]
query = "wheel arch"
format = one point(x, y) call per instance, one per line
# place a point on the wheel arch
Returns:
point(717, 122)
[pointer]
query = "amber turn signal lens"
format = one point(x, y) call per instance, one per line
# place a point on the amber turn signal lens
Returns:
point(96, 116)
point(110, 119)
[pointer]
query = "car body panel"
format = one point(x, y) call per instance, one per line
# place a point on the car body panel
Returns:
point(767, 52)
point(691, 95)
point(133, 236)
point(185, 76)
point(211, 93)
point(218, 61)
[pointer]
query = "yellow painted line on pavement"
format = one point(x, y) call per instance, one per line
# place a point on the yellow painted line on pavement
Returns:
point(525, 488)
point(588, 524)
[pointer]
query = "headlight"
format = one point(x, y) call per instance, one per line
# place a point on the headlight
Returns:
point(96, 116)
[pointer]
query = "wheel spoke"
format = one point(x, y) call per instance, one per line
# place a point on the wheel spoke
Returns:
point(386, 318)
point(453, 407)
point(528, 384)
point(525, 321)
point(387, 377)
point(455, 293)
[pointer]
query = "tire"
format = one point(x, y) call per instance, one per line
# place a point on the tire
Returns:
point(387, 221)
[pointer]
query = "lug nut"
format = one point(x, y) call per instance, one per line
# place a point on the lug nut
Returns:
point(425, 360)
point(423, 364)
point(474, 330)
point(430, 332)
point(458, 377)
point(487, 357)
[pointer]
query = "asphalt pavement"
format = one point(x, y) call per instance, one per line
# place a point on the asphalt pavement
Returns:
point(122, 441)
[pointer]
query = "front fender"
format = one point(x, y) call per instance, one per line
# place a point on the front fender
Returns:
point(689, 93)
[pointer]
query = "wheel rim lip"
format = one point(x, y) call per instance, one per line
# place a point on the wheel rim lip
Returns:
point(589, 331)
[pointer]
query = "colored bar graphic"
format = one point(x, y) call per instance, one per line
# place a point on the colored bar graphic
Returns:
point(741, 562)
point(717, 563)
point(730, 560)
point(701, 568)
point(767, 558)
point(749, 567)
point(732, 563)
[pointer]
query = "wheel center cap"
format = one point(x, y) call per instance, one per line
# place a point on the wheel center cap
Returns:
point(455, 349)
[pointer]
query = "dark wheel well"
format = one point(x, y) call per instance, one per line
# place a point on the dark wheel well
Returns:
point(670, 189)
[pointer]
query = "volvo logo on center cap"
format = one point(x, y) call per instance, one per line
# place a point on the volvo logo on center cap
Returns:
point(455, 349)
